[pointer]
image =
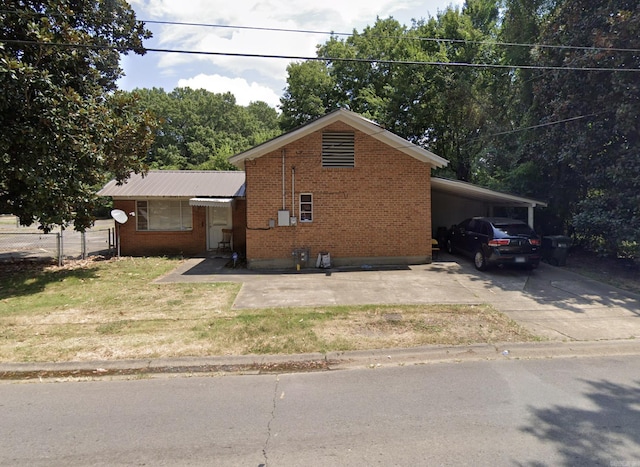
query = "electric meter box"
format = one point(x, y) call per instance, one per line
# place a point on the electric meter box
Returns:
point(283, 218)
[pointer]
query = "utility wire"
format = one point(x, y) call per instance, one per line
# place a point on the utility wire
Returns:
point(349, 34)
point(541, 125)
point(427, 39)
point(325, 59)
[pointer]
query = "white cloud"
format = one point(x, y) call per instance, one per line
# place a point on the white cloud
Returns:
point(266, 75)
point(244, 92)
point(318, 15)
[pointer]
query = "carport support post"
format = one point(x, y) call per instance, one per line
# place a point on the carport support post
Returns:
point(530, 215)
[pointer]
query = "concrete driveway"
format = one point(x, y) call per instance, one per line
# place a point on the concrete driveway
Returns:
point(550, 301)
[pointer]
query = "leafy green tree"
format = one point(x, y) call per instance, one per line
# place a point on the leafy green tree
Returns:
point(378, 74)
point(200, 129)
point(309, 93)
point(63, 126)
point(357, 73)
point(506, 164)
point(596, 150)
point(463, 106)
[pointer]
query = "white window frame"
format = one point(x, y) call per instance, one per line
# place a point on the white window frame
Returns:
point(306, 207)
point(148, 216)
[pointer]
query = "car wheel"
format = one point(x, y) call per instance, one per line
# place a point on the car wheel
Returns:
point(449, 246)
point(480, 261)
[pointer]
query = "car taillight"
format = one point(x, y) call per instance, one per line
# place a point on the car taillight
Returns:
point(534, 241)
point(499, 242)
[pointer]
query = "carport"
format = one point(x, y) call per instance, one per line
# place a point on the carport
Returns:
point(453, 201)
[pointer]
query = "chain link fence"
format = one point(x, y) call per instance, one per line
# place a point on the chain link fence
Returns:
point(27, 243)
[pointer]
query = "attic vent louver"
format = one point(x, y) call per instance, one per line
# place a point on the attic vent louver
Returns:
point(338, 149)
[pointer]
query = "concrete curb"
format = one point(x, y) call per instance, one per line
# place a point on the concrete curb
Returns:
point(279, 364)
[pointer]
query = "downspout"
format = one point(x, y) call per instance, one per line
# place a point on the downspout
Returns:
point(283, 182)
point(293, 191)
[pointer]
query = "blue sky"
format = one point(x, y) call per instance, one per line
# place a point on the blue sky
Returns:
point(249, 79)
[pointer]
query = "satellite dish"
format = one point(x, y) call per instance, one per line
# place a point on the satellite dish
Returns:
point(120, 216)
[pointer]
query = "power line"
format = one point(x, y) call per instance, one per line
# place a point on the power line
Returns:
point(325, 59)
point(420, 38)
point(349, 34)
point(541, 125)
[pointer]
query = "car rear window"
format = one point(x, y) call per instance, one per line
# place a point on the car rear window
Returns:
point(515, 229)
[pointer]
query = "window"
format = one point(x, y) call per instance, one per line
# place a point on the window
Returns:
point(338, 149)
point(163, 215)
point(306, 207)
point(219, 215)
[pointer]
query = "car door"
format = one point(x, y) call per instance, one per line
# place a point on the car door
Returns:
point(458, 237)
point(473, 240)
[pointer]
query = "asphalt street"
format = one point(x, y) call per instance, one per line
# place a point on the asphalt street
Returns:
point(504, 412)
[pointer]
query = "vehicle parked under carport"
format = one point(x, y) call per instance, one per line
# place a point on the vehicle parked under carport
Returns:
point(493, 241)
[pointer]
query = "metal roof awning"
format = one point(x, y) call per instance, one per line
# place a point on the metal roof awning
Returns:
point(218, 202)
point(468, 190)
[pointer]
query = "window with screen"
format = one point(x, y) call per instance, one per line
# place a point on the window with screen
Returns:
point(163, 215)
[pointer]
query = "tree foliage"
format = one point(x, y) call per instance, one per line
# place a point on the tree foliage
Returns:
point(597, 153)
point(441, 108)
point(533, 120)
point(64, 128)
point(200, 129)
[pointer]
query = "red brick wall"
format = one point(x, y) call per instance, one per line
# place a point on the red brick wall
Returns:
point(142, 243)
point(380, 210)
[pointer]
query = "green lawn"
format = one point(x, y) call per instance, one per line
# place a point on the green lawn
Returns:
point(101, 310)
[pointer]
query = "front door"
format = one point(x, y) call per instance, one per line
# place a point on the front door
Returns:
point(218, 218)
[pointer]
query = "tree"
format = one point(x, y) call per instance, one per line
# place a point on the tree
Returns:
point(506, 163)
point(64, 128)
point(308, 94)
point(596, 151)
point(378, 74)
point(462, 108)
point(200, 129)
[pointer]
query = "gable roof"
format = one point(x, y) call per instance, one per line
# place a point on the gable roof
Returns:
point(352, 119)
point(179, 183)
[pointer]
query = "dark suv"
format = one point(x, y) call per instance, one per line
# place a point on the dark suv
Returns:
point(495, 240)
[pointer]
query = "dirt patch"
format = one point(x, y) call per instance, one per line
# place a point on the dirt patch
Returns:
point(619, 272)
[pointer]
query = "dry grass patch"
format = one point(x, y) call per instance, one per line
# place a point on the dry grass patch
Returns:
point(103, 310)
point(410, 326)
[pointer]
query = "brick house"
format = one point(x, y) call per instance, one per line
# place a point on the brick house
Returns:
point(173, 212)
point(340, 184)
